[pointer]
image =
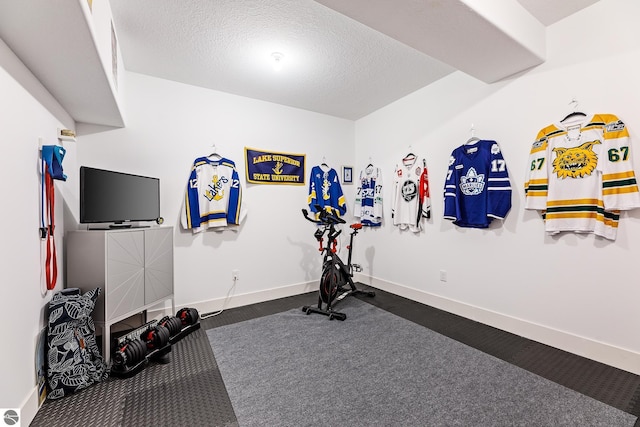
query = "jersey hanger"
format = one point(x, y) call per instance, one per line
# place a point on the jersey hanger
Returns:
point(575, 112)
point(409, 160)
point(214, 155)
point(324, 164)
point(410, 156)
point(473, 138)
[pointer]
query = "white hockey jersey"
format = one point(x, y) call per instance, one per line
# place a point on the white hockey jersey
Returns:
point(368, 206)
point(581, 176)
point(411, 201)
point(213, 198)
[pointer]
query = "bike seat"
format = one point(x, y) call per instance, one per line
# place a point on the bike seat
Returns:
point(356, 226)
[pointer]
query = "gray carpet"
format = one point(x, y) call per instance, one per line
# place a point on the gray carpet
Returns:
point(290, 369)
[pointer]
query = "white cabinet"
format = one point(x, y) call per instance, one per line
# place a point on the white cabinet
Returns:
point(133, 268)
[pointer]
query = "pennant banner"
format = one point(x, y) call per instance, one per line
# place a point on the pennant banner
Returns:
point(274, 168)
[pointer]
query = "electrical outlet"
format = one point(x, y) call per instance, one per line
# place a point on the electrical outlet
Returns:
point(443, 275)
point(235, 275)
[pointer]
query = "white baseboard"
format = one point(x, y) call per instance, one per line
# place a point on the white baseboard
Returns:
point(595, 350)
point(29, 408)
point(215, 305)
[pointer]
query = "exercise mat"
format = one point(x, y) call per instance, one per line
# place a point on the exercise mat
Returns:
point(375, 368)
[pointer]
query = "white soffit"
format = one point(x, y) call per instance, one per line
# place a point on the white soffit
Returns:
point(487, 39)
point(551, 11)
point(55, 41)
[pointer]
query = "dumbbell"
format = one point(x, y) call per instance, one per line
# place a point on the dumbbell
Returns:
point(188, 316)
point(156, 337)
point(173, 324)
point(129, 353)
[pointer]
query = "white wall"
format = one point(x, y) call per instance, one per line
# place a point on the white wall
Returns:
point(574, 292)
point(27, 113)
point(30, 114)
point(170, 124)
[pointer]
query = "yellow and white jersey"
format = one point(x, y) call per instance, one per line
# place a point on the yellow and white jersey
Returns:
point(581, 175)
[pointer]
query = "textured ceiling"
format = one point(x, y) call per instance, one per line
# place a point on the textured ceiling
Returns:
point(333, 63)
point(342, 58)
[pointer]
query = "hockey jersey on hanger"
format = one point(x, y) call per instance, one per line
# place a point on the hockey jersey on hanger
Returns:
point(213, 198)
point(325, 191)
point(477, 188)
point(581, 176)
point(411, 201)
point(368, 206)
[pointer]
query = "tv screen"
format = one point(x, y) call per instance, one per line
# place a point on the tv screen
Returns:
point(109, 196)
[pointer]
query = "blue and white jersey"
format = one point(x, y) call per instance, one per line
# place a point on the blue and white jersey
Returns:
point(213, 198)
point(477, 188)
point(325, 190)
point(368, 206)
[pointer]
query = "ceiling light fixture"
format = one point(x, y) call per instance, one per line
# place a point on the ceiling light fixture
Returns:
point(277, 60)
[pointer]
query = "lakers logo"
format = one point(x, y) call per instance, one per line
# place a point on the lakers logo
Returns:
point(575, 162)
point(215, 190)
point(326, 186)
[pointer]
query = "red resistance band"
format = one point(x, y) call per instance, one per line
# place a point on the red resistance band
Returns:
point(51, 263)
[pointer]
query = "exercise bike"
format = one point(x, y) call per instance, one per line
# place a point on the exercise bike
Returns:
point(336, 281)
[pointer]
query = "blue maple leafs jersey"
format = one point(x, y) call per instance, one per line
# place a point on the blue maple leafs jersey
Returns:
point(477, 188)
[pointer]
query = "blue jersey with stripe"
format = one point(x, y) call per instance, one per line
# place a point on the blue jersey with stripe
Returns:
point(325, 191)
point(477, 188)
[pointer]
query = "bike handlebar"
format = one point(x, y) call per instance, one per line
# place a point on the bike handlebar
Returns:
point(324, 217)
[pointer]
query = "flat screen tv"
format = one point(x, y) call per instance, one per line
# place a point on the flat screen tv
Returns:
point(116, 197)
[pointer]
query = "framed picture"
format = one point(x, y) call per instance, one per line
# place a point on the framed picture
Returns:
point(347, 175)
